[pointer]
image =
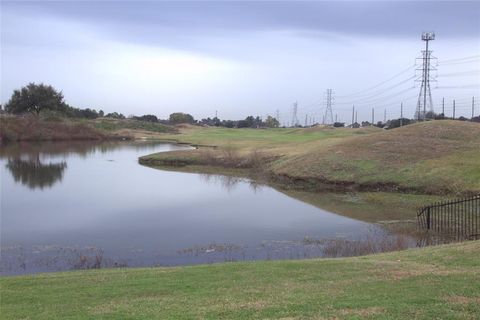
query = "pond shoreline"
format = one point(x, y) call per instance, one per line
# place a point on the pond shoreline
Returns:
point(435, 158)
point(284, 287)
point(182, 162)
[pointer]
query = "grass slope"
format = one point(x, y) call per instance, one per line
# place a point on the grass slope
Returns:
point(435, 157)
point(432, 157)
point(431, 283)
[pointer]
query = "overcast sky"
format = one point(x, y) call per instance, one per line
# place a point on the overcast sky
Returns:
point(241, 58)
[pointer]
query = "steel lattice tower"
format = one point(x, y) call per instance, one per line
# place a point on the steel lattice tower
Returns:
point(294, 114)
point(329, 100)
point(425, 95)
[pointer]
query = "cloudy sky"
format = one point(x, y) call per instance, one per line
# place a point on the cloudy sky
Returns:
point(241, 58)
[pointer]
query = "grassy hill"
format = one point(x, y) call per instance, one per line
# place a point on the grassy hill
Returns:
point(435, 157)
point(431, 157)
point(430, 283)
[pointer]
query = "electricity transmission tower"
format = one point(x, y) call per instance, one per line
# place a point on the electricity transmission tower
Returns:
point(294, 114)
point(425, 95)
point(329, 100)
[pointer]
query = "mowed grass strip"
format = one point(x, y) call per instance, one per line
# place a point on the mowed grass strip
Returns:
point(431, 283)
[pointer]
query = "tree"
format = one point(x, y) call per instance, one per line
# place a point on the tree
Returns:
point(34, 98)
point(271, 122)
point(115, 115)
point(228, 123)
point(397, 123)
point(180, 117)
point(249, 121)
point(147, 118)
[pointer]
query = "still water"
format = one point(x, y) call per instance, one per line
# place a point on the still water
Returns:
point(86, 205)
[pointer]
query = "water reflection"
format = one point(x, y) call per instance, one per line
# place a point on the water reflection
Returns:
point(110, 211)
point(35, 174)
point(31, 163)
point(229, 183)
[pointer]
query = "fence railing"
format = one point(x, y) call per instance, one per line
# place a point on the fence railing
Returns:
point(459, 218)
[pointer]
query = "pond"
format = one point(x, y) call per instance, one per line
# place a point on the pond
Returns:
point(80, 205)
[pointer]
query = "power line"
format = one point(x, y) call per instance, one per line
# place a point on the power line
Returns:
point(475, 57)
point(376, 100)
point(462, 73)
point(460, 87)
point(377, 93)
point(379, 84)
point(459, 62)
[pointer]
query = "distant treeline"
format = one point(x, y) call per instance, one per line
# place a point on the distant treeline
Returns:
point(44, 99)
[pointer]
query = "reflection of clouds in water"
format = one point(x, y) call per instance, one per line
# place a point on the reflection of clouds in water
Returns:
point(229, 183)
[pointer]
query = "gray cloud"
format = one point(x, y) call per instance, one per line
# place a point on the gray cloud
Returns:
point(260, 55)
point(147, 21)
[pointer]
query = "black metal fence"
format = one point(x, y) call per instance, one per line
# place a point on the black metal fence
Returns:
point(457, 218)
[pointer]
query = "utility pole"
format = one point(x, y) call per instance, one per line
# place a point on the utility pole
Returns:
point(443, 106)
point(356, 114)
point(336, 117)
point(306, 119)
point(373, 116)
point(329, 101)
point(426, 78)
point(216, 113)
point(385, 116)
point(277, 115)
point(401, 114)
point(453, 109)
point(353, 115)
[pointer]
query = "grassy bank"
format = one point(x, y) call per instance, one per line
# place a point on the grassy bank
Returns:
point(431, 283)
point(436, 157)
point(31, 128)
point(132, 128)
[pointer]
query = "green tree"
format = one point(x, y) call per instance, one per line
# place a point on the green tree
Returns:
point(180, 117)
point(34, 98)
point(271, 122)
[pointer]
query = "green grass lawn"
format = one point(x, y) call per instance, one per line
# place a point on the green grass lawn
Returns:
point(116, 124)
point(432, 283)
point(265, 138)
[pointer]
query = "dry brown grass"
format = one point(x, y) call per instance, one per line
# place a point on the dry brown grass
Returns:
point(365, 312)
point(31, 128)
point(463, 300)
